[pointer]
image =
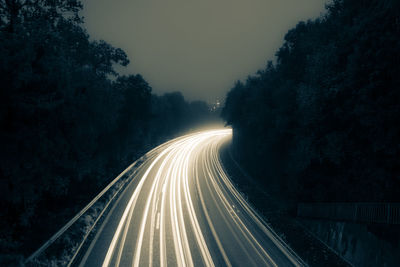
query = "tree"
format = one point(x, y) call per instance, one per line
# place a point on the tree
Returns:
point(322, 119)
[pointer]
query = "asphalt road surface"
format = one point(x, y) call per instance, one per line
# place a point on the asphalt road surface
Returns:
point(181, 209)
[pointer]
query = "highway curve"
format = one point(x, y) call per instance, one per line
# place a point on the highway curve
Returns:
point(181, 209)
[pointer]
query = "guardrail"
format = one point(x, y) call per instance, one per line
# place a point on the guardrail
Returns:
point(63, 247)
point(386, 213)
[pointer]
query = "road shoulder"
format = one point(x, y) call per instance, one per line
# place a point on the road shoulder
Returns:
point(308, 248)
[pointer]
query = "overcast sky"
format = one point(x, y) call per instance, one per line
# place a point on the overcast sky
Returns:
point(198, 47)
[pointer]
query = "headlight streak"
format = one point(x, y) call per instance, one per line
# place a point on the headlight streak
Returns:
point(144, 218)
point(209, 221)
point(195, 224)
point(180, 241)
point(240, 225)
point(208, 167)
point(166, 205)
point(253, 214)
point(122, 243)
point(129, 206)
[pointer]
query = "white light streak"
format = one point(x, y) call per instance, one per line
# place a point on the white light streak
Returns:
point(171, 198)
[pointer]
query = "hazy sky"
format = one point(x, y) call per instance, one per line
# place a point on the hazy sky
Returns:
point(198, 47)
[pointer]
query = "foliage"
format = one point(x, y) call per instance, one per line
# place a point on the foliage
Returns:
point(69, 121)
point(322, 122)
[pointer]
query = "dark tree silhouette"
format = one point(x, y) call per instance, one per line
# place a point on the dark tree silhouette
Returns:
point(322, 123)
point(69, 122)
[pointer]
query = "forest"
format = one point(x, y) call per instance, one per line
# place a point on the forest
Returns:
point(321, 122)
point(69, 122)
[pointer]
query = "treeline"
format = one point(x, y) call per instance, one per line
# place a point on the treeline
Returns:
point(69, 122)
point(322, 122)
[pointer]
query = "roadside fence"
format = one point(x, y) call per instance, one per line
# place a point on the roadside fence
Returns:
point(384, 213)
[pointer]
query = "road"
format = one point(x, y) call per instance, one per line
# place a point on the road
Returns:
point(181, 209)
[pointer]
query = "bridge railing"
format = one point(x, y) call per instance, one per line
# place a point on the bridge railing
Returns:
point(64, 246)
point(388, 213)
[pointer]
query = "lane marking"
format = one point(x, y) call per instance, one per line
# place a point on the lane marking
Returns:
point(117, 233)
point(158, 221)
point(182, 157)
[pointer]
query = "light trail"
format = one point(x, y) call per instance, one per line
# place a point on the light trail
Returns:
point(185, 211)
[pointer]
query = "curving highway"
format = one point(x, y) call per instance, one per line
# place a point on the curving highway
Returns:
point(181, 209)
